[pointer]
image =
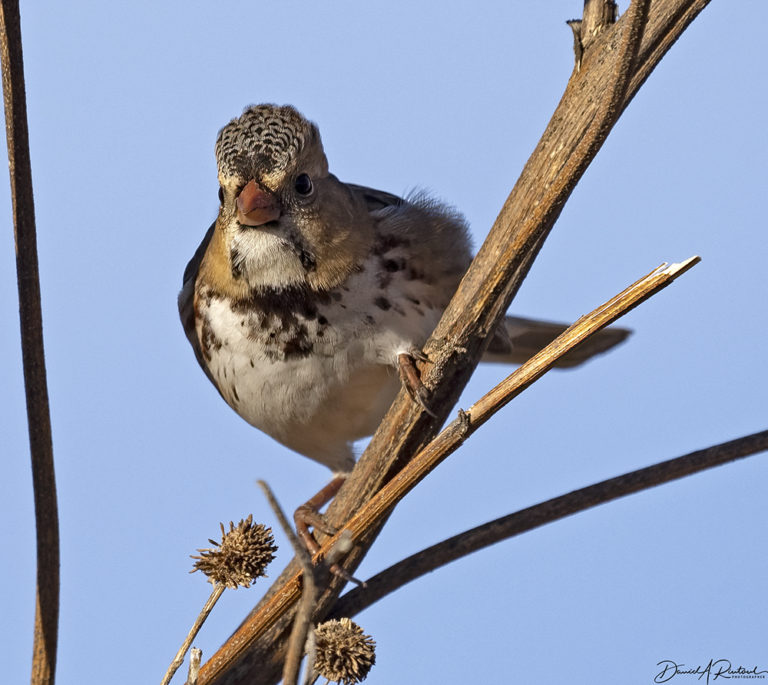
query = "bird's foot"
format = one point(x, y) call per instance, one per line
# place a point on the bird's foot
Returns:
point(411, 379)
point(308, 516)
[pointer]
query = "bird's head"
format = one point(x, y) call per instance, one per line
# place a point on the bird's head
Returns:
point(284, 220)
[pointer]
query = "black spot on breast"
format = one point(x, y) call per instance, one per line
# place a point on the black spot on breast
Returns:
point(278, 302)
point(382, 303)
point(297, 347)
point(307, 311)
point(370, 320)
point(322, 320)
point(236, 263)
point(392, 265)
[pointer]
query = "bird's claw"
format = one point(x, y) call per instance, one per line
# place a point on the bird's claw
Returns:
point(411, 379)
point(306, 516)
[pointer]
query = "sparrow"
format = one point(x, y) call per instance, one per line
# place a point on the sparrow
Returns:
point(309, 299)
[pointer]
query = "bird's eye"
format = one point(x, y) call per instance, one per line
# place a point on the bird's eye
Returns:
point(221, 195)
point(303, 184)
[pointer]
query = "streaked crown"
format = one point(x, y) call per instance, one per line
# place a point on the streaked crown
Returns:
point(264, 139)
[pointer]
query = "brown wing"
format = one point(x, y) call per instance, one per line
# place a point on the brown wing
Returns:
point(186, 299)
point(518, 339)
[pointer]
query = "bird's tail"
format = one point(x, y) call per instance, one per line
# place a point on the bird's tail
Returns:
point(518, 339)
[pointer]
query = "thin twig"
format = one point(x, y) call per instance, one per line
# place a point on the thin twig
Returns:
point(303, 621)
point(195, 655)
point(522, 521)
point(310, 676)
point(33, 352)
point(178, 660)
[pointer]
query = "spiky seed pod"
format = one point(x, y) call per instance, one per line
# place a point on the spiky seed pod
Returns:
point(344, 653)
point(240, 558)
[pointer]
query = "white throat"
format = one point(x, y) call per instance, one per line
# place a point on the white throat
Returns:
point(265, 259)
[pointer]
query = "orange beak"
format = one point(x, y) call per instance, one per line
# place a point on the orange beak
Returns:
point(255, 206)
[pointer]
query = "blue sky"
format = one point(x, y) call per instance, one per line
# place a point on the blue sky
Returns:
point(125, 100)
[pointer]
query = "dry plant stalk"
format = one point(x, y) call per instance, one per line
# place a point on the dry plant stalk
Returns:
point(612, 70)
point(33, 353)
point(303, 619)
point(178, 659)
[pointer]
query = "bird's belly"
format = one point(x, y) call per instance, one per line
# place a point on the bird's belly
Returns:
point(280, 396)
point(314, 402)
point(315, 375)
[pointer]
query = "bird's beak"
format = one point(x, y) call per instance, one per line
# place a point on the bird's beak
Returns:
point(255, 206)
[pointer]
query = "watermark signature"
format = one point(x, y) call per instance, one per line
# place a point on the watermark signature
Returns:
point(720, 668)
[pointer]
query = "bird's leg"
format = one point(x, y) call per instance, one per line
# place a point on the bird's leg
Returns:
point(308, 515)
point(411, 379)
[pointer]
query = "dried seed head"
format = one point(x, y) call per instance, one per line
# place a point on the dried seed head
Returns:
point(344, 654)
point(241, 556)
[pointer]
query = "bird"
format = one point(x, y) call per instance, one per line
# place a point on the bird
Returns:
point(309, 299)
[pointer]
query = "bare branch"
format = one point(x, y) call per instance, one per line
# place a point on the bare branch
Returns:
point(503, 528)
point(33, 351)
